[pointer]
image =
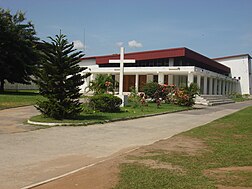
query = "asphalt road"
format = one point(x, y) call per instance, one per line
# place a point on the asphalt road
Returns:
point(36, 155)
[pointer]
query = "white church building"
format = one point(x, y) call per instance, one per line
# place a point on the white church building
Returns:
point(241, 69)
point(178, 66)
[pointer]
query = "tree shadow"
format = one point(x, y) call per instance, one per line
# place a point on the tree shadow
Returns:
point(21, 93)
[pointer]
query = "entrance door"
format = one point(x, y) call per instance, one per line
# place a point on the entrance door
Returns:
point(128, 82)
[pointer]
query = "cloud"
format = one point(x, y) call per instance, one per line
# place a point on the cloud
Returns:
point(119, 44)
point(78, 44)
point(134, 44)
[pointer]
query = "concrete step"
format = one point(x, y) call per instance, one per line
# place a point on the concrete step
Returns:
point(212, 100)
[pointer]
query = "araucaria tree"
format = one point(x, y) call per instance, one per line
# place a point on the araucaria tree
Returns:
point(18, 54)
point(59, 79)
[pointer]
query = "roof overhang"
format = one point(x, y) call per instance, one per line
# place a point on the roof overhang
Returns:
point(160, 54)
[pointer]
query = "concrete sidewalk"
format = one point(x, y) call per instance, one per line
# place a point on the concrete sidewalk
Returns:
point(34, 156)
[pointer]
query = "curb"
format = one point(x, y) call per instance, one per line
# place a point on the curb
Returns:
point(100, 122)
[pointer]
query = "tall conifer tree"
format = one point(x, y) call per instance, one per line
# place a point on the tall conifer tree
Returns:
point(59, 79)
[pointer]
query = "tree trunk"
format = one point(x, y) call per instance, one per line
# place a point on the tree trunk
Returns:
point(2, 85)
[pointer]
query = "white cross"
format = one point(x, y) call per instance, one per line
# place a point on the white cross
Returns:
point(122, 61)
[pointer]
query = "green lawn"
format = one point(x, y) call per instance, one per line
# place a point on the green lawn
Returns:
point(228, 144)
point(126, 112)
point(11, 99)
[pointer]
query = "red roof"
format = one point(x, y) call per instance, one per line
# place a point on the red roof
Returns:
point(145, 55)
point(165, 53)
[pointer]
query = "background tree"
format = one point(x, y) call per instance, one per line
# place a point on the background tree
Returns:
point(18, 54)
point(59, 79)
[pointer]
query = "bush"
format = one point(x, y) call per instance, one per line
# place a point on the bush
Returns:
point(103, 83)
point(184, 96)
point(150, 89)
point(105, 103)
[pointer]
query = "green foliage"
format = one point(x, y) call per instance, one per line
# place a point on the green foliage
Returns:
point(134, 99)
point(150, 89)
point(105, 103)
point(59, 78)
point(103, 83)
point(237, 97)
point(19, 56)
point(137, 100)
point(184, 96)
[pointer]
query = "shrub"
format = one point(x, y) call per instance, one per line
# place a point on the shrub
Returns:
point(184, 96)
point(105, 103)
point(103, 83)
point(150, 89)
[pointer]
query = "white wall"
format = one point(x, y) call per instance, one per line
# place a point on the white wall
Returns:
point(91, 66)
point(240, 68)
point(18, 86)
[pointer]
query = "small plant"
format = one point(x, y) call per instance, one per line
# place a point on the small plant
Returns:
point(137, 100)
point(105, 103)
point(134, 99)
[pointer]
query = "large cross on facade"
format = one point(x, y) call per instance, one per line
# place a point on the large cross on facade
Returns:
point(122, 61)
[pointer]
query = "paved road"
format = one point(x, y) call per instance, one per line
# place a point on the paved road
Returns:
point(12, 120)
point(34, 156)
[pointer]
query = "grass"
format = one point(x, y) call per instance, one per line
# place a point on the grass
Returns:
point(12, 99)
point(126, 113)
point(228, 143)
point(240, 98)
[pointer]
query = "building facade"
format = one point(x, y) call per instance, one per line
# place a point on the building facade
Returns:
point(178, 66)
point(241, 69)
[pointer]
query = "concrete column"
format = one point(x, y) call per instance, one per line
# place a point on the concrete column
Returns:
point(210, 85)
point(171, 62)
point(215, 86)
point(149, 78)
point(224, 87)
point(190, 77)
point(93, 76)
point(170, 79)
point(176, 80)
point(233, 87)
point(160, 78)
point(198, 80)
point(117, 77)
point(220, 87)
point(137, 82)
point(229, 88)
point(205, 85)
